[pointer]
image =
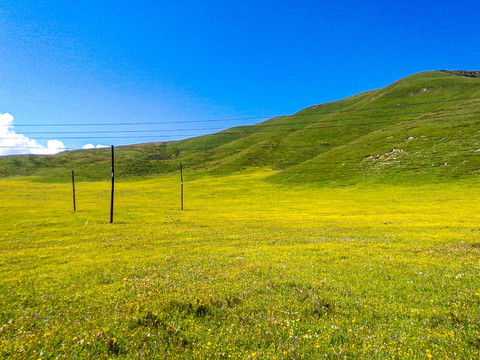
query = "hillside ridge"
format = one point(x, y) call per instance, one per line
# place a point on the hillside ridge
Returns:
point(432, 117)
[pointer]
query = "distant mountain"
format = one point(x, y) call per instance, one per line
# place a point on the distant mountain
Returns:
point(423, 128)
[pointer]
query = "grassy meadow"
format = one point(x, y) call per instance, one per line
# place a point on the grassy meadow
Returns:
point(250, 269)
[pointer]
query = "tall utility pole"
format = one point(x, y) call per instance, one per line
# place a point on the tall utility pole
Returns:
point(113, 187)
point(73, 186)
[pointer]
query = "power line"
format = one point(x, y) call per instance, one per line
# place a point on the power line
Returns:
point(230, 133)
point(254, 126)
point(254, 130)
point(397, 106)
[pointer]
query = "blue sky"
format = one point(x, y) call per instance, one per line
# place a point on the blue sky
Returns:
point(173, 64)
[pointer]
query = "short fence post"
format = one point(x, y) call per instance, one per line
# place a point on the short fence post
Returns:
point(181, 185)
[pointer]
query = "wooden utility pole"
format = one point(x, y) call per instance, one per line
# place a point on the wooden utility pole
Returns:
point(113, 187)
point(181, 184)
point(73, 186)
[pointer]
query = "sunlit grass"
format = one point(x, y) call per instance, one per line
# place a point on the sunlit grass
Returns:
point(248, 270)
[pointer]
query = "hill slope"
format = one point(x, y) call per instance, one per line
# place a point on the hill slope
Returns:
point(422, 128)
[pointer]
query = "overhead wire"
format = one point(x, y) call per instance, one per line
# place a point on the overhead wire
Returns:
point(262, 125)
point(397, 106)
point(252, 128)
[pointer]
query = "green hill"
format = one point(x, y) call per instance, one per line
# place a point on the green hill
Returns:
point(422, 128)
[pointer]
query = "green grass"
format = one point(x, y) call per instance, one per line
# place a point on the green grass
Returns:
point(432, 117)
point(250, 269)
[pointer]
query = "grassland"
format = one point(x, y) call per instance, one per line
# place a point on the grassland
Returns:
point(347, 230)
point(250, 269)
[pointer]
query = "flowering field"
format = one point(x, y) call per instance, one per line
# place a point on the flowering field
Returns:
point(248, 270)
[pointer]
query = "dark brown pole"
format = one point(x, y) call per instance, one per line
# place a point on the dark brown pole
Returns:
point(113, 187)
point(73, 186)
point(181, 184)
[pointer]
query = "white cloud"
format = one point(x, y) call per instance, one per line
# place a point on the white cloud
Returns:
point(12, 143)
point(91, 146)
